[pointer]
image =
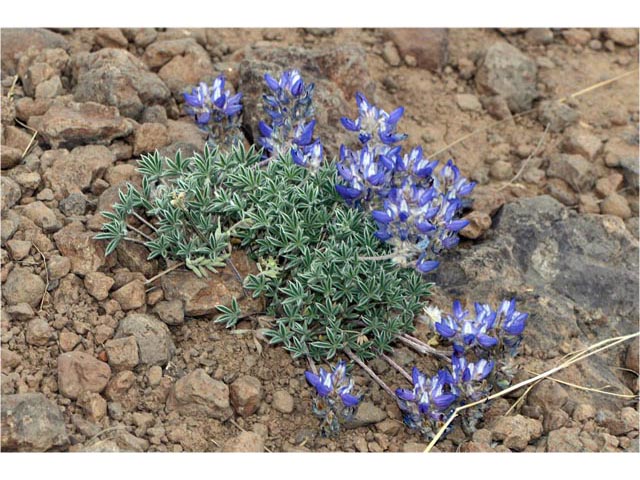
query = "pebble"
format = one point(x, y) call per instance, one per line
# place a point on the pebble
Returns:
point(583, 412)
point(197, 394)
point(501, 170)
point(39, 332)
point(131, 296)
point(245, 442)
point(94, 405)
point(468, 102)
point(74, 205)
point(79, 372)
point(42, 216)
point(98, 285)
point(557, 115)
point(616, 204)
point(627, 37)
point(122, 353)
point(18, 249)
point(68, 341)
point(576, 36)
point(170, 312)
point(588, 203)
point(582, 143)
point(155, 343)
point(631, 358)
point(516, 431)
point(22, 286)
point(605, 186)
point(560, 190)
point(282, 401)
point(367, 414)
point(154, 376)
point(58, 266)
point(573, 169)
point(479, 222)
point(246, 394)
point(390, 54)
point(539, 36)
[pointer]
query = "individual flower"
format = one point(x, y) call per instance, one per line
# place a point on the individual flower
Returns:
point(468, 332)
point(290, 126)
point(374, 123)
point(470, 377)
point(309, 156)
point(429, 400)
point(215, 110)
point(336, 402)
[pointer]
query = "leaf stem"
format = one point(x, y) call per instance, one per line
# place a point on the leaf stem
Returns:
point(402, 371)
point(371, 373)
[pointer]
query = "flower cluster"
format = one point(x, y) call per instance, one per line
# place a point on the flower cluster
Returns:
point(433, 399)
point(289, 105)
point(216, 111)
point(335, 403)
point(416, 210)
point(486, 330)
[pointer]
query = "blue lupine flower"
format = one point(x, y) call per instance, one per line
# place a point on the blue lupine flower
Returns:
point(469, 377)
point(215, 110)
point(374, 123)
point(309, 156)
point(486, 329)
point(336, 402)
point(429, 400)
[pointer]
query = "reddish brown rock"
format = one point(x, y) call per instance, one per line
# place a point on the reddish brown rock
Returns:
point(122, 353)
point(245, 442)
point(245, 394)
point(98, 285)
point(479, 222)
point(155, 344)
point(79, 372)
point(70, 124)
point(15, 41)
point(197, 394)
point(150, 137)
point(86, 253)
point(131, 296)
point(429, 46)
point(22, 286)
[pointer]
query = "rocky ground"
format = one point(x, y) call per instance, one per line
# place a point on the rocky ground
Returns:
point(95, 359)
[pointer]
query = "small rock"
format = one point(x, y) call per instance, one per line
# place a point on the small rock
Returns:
point(170, 312)
point(588, 203)
point(7, 228)
point(39, 332)
point(605, 186)
point(150, 137)
point(389, 427)
point(22, 286)
point(620, 424)
point(98, 285)
point(564, 440)
point(154, 376)
point(496, 106)
point(94, 406)
point(10, 157)
point(539, 36)
point(468, 102)
point(131, 296)
point(197, 394)
point(390, 54)
point(246, 394)
point(507, 72)
point(121, 389)
point(79, 372)
point(557, 115)
point(627, 37)
point(245, 442)
point(152, 336)
point(548, 396)
point(616, 204)
point(554, 419)
point(68, 341)
point(58, 267)
point(154, 114)
point(50, 88)
point(576, 36)
point(583, 144)
point(110, 37)
point(10, 193)
point(367, 414)
point(42, 216)
point(560, 190)
point(428, 47)
point(583, 412)
point(631, 358)
point(74, 205)
point(479, 222)
point(360, 444)
point(122, 353)
point(516, 432)
point(116, 412)
point(19, 249)
point(31, 423)
point(573, 169)
point(282, 401)
point(85, 253)
point(20, 312)
point(501, 170)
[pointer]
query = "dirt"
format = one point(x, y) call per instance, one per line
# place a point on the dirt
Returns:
point(492, 154)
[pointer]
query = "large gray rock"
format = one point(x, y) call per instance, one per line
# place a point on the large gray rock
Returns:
point(32, 423)
point(577, 276)
point(115, 77)
point(507, 72)
point(153, 337)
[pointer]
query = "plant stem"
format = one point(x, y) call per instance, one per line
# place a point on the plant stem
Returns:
point(389, 256)
point(139, 232)
point(413, 339)
point(422, 348)
point(170, 269)
point(371, 373)
point(148, 224)
point(402, 371)
point(134, 240)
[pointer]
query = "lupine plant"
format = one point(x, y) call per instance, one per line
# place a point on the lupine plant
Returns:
point(342, 247)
